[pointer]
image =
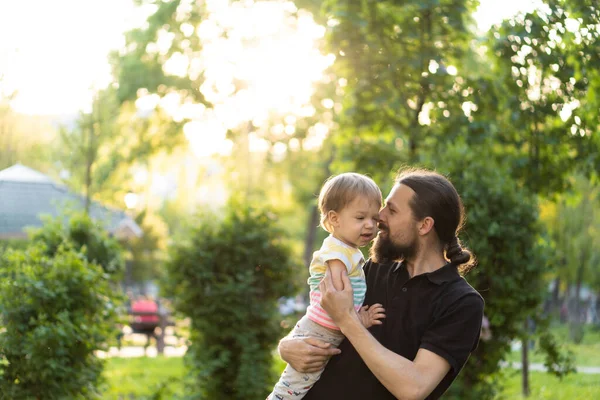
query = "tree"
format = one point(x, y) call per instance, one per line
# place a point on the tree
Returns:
point(23, 139)
point(503, 231)
point(224, 90)
point(80, 232)
point(399, 60)
point(226, 273)
point(148, 251)
point(573, 222)
point(56, 311)
point(85, 150)
point(544, 98)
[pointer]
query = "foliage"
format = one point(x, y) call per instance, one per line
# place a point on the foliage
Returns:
point(82, 150)
point(585, 354)
point(502, 230)
point(558, 363)
point(399, 60)
point(137, 67)
point(56, 310)
point(148, 251)
point(23, 138)
point(574, 224)
point(226, 274)
point(17, 244)
point(545, 107)
point(79, 231)
point(497, 133)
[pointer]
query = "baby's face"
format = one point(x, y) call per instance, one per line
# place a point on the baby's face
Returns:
point(357, 223)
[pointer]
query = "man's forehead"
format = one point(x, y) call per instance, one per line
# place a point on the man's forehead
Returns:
point(399, 194)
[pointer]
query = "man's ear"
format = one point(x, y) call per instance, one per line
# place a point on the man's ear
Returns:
point(425, 225)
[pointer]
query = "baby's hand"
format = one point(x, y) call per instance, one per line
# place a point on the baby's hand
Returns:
point(371, 315)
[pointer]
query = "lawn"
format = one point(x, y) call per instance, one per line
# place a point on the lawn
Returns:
point(143, 377)
point(587, 353)
point(545, 386)
point(140, 378)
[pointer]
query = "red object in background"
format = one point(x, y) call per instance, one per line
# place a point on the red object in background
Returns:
point(146, 306)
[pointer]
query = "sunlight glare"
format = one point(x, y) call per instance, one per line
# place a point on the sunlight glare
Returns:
point(266, 63)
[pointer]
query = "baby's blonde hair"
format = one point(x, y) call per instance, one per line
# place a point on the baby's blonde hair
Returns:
point(340, 190)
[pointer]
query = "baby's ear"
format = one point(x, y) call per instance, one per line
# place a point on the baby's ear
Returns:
point(333, 218)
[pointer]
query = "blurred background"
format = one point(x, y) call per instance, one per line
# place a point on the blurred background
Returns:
point(164, 156)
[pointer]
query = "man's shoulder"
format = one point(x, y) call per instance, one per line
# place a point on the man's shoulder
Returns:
point(462, 294)
point(464, 287)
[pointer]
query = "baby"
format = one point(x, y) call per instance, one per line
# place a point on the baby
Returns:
point(349, 204)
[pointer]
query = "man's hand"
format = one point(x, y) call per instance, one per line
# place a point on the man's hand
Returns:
point(339, 304)
point(306, 355)
point(372, 315)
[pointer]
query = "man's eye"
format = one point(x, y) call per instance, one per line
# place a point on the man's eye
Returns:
point(360, 218)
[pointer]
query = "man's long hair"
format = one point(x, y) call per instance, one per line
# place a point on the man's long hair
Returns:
point(436, 197)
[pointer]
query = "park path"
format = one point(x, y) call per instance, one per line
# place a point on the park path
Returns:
point(134, 347)
point(174, 348)
point(139, 351)
point(542, 367)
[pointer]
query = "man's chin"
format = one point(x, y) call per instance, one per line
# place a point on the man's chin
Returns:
point(380, 251)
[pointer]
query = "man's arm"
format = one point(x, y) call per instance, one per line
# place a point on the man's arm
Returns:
point(405, 379)
point(306, 355)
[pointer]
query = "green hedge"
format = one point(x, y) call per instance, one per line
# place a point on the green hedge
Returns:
point(83, 234)
point(503, 231)
point(55, 311)
point(226, 274)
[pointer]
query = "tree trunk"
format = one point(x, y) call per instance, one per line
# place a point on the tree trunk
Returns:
point(578, 293)
point(311, 233)
point(313, 221)
point(88, 167)
point(249, 170)
point(555, 296)
point(525, 361)
point(576, 323)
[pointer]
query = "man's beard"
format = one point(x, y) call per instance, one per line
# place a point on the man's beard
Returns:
point(384, 251)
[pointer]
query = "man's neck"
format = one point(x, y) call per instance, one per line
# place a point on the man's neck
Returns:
point(424, 263)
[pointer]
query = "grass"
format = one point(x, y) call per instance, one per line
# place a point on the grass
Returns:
point(142, 377)
point(587, 353)
point(545, 386)
point(138, 378)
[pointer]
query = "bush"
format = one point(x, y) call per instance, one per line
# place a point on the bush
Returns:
point(84, 234)
point(226, 275)
point(503, 232)
point(56, 310)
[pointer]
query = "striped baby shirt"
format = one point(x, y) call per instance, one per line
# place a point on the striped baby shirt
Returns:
point(335, 249)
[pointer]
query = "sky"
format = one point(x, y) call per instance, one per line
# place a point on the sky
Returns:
point(54, 53)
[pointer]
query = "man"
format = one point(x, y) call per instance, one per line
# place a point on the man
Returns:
point(433, 316)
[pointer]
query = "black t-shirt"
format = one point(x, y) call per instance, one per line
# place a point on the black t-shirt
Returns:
point(437, 311)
